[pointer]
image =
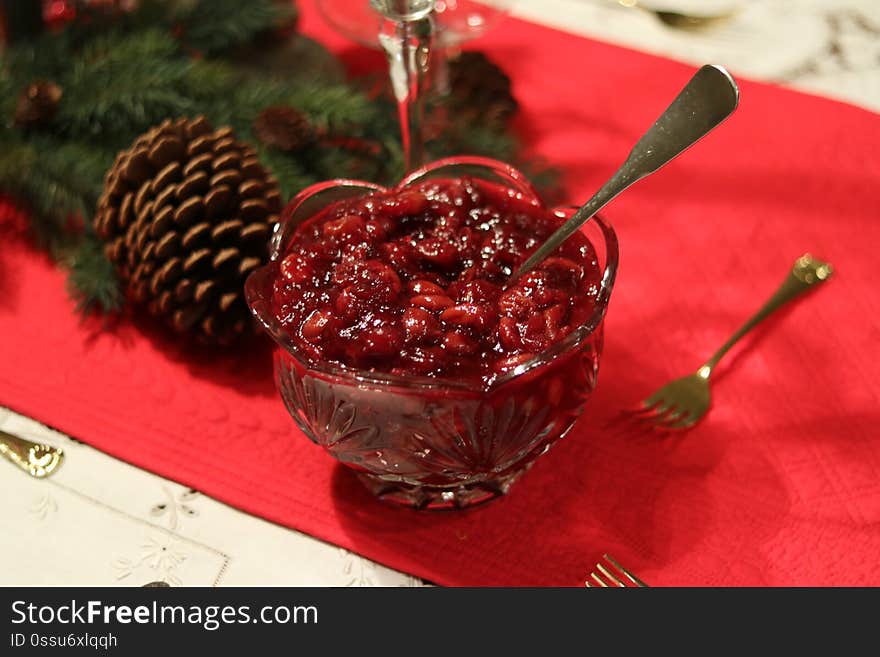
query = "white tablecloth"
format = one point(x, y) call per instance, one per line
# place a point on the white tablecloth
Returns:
point(98, 521)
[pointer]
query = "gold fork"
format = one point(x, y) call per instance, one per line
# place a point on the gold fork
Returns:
point(683, 402)
point(611, 573)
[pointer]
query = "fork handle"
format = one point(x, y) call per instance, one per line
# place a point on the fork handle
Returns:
point(806, 273)
point(37, 459)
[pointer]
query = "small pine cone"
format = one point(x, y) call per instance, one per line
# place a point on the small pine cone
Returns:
point(185, 215)
point(37, 104)
point(479, 86)
point(284, 128)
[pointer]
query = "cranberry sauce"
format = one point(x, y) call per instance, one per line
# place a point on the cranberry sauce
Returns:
point(411, 282)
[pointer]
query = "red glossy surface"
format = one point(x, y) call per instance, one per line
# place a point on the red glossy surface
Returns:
point(412, 281)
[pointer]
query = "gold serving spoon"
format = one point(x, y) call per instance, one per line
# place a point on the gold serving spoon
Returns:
point(37, 459)
point(708, 99)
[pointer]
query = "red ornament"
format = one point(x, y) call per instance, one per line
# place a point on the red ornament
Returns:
point(58, 13)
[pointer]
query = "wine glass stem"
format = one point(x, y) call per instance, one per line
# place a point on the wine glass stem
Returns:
point(407, 44)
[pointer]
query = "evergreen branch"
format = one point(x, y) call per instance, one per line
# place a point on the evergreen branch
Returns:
point(334, 108)
point(292, 175)
point(92, 282)
point(8, 98)
point(120, 85)
point(46, 57)
point(20, 176)
point(58, 179)
point(213, 28)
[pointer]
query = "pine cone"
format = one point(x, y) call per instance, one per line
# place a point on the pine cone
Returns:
point(37, 104)
point(477, 85)
point(284, 128)
point(186, 214)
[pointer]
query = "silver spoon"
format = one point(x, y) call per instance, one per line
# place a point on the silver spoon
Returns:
point(708, 99)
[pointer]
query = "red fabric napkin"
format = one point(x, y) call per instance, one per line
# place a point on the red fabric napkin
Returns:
point(780, 484)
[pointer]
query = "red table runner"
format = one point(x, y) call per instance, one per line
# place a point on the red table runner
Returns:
point(780, 484)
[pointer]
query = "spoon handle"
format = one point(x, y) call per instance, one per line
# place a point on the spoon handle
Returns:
point(708, 99)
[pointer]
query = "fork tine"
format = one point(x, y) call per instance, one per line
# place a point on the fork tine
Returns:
point(684, 422)
point(672, 417)
point(626, 423)
point(644, 408)
point(655, 403)
point(599, 580)
point(635, 580)
point(651, 414)
point(609, 575)
point(657, 419)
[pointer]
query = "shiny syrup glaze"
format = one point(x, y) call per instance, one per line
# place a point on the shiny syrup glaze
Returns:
point(411, 282)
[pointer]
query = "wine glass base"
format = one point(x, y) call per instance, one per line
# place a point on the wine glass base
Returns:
point(439, 498)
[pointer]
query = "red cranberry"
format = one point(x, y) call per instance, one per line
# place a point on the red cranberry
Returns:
point(420, 325)
point(422, 286)
point(508, 334)
point(459, 344)
point(400, 256)
point(314, 325)
point(376, 280)
point(433, 302)
point(378, 229)
point(554, 316)
point(296, 270)
point(347, 305)
point(470, 315)
point(381, 341)
point(478, 291)
point(409, 202)
point(437, 251)
point(515, 302)
point(349, 228)
point(424, 360)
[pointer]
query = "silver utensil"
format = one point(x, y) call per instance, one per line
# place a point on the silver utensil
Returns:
point(37, 459)
point(708, 99)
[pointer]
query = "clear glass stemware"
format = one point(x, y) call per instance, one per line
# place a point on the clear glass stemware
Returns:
point(406, 35)
point(417, 36)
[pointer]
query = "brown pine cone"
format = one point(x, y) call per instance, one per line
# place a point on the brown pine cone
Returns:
point(37, 104)
point(284, 128)
point(186, 215)
point(479, 86)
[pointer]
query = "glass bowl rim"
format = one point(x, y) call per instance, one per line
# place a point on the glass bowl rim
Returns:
point(261, 308)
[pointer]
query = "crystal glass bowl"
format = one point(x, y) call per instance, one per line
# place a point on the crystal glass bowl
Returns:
point(423, 441)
